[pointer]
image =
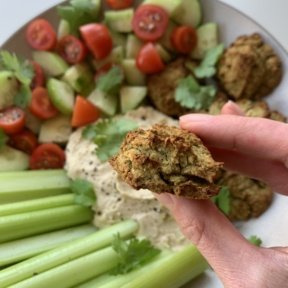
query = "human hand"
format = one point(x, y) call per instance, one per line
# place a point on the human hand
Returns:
point(257, 148)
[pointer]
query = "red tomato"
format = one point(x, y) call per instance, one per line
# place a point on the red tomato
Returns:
point(72, 49)
point(12, 120)
point(184, 39)
point(119, 4)
point(25, 141)
point(41, 105)
point(98, 39)
point(149, 60)
point(40, 35)
point(47, 156)
point(84, 112)
point(150, 22)
point(39, 77)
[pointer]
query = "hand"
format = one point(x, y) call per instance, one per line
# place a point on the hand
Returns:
point(259, 149)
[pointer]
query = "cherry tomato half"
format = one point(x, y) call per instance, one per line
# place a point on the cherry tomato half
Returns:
point(40, 35)
point(184, 39)
point(98, 39)
point(39, 77)
point(47, 156)
point(72, 49)
point(119, 4)
point(12, 120)
point(41, 105)
point(25, 141)
point(150, 22)
point(149, 60)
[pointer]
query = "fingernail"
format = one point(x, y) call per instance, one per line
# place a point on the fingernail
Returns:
point(195, 118)
point(166, 199)
point(232, 108)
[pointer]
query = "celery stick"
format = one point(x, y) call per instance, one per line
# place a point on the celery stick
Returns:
point(22, 225)
point(74, 272)
point(36, 204)
point(25, 185)
point(19, 250)
point(65, 253)
point(172, 273)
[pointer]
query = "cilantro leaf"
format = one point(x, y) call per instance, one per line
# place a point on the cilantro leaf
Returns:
point(84, 192)
point(207, 67)
point(132, 254)
point(3, 139)
point(110, 82)
point(108, 134)
point(190, 94)
point(222, 200)
point(255, 240)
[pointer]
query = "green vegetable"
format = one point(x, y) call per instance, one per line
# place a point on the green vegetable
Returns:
point(190, 94)
point(111, 81)
point(84, 192)
point(22, 225)
point(79, 12)
point(65, 253)
point(108, 135)
point(3, 138)
point(32, 185)
point(255, 240)
point(23, 71)
point(19, 250)
point(223, 201)
point(132, 254)
point(207, 67)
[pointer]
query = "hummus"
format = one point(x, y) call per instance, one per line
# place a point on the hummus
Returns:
point(116, 200)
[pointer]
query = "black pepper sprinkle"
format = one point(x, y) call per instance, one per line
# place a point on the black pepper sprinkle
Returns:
point(91, 163)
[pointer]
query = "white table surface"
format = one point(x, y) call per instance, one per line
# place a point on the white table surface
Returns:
point(270, 14)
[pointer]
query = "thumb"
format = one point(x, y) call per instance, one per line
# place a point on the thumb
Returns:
point(226, 250)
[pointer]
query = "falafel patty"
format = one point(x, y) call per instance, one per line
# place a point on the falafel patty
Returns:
point(167, 159)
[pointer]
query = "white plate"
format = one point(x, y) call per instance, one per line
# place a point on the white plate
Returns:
point(270, 226)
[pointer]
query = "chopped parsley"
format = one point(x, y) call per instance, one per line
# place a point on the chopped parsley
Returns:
point(84, 192)
point(132, 254)
point(190, 94)
point(255, 240)
point(3, 139)
point(108, 135)
point(222, 200)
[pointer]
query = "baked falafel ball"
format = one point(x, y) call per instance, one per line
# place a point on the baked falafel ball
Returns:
point(277, 116)
point(249, 68)
point(249, 198)
point(162, 86)
point(167, 159)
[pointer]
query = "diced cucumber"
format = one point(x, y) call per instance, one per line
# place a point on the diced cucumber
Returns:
point(120, 21)
point(164, 54)
point(52, 64)
point(133, 46)
point(13, 160)
point(94, 6)
point(188, 13)
point(131, 97)
point(63, 29)
point(118, 39)
point(61, 95)
point(165, 41)
point(105, 102)
point(32, 122)
point(133, 75)
point(57, 130)
point(116, 56)
point(8, 89)
point(207, 39)
point(169, 5)
point(80, 78)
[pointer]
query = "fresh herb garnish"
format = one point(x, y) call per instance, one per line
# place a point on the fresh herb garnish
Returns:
point(132, 254)
point(190, 94)
point(222, 200)
point(78, 13)
point(84, 192)
point(23, 71)
point(207, 67)
point(111, 81)
point(108, 135)
point(255, 240)
point(3, 139)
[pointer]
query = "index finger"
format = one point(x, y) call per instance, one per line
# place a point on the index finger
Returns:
point(258, 137)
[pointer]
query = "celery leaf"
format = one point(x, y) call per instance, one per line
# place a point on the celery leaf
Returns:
point(84, 192)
